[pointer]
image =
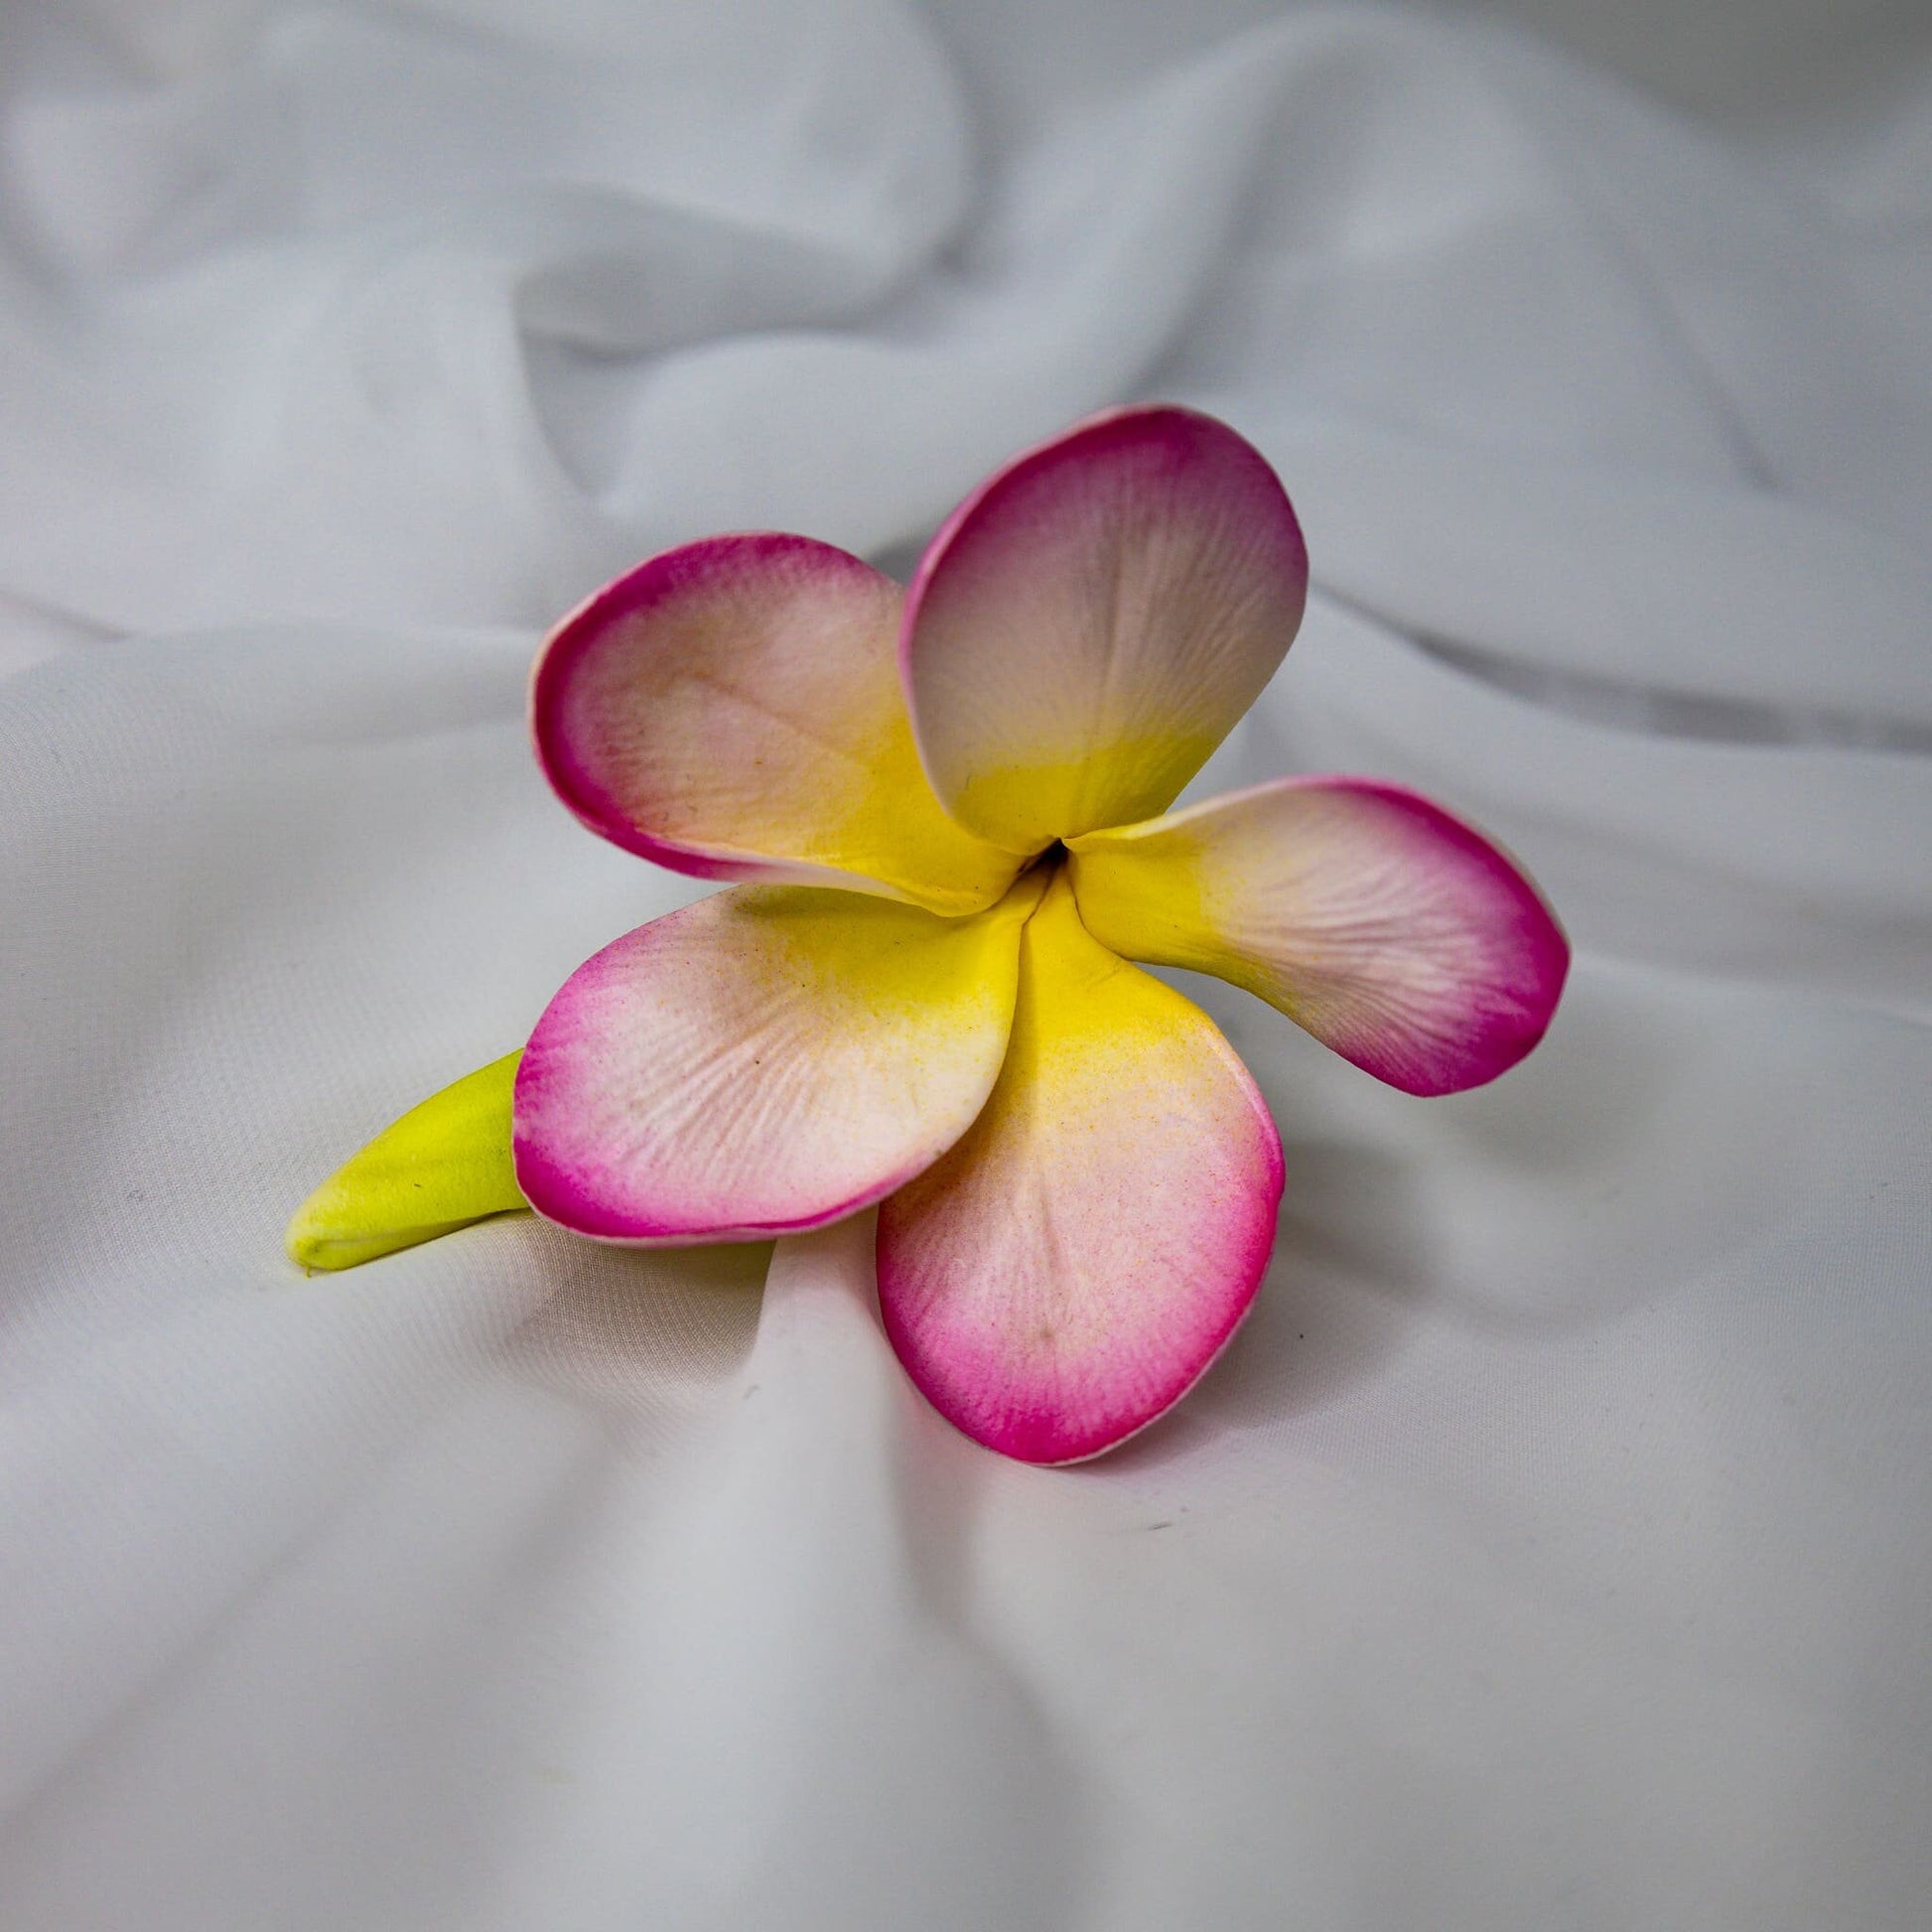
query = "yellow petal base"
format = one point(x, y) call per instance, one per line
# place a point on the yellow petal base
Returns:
point(441, 1166)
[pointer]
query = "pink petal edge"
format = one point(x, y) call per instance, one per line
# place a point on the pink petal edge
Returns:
point(1079, 1260)
point(751, 1065)
point(634, 594)
point(1040, 1445)
point(1535, 947)
point(1088, 450)
point(732, 710)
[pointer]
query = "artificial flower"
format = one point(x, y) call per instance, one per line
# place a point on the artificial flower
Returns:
point(948, 810)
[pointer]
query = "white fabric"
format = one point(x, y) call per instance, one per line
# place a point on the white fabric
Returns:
point(1551, 1549)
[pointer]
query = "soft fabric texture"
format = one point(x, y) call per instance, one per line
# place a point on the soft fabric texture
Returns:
point(1544, 1550)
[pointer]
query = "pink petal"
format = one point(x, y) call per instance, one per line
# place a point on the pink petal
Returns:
point(733, 709)
point(1091, 621)
point(1072, 1267)
point(1392, 931)
point(769, 1060)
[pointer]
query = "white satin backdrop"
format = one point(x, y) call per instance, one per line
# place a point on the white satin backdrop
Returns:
point(1550, 1551)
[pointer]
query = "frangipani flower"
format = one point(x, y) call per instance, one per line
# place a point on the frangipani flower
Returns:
point(946, 808)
